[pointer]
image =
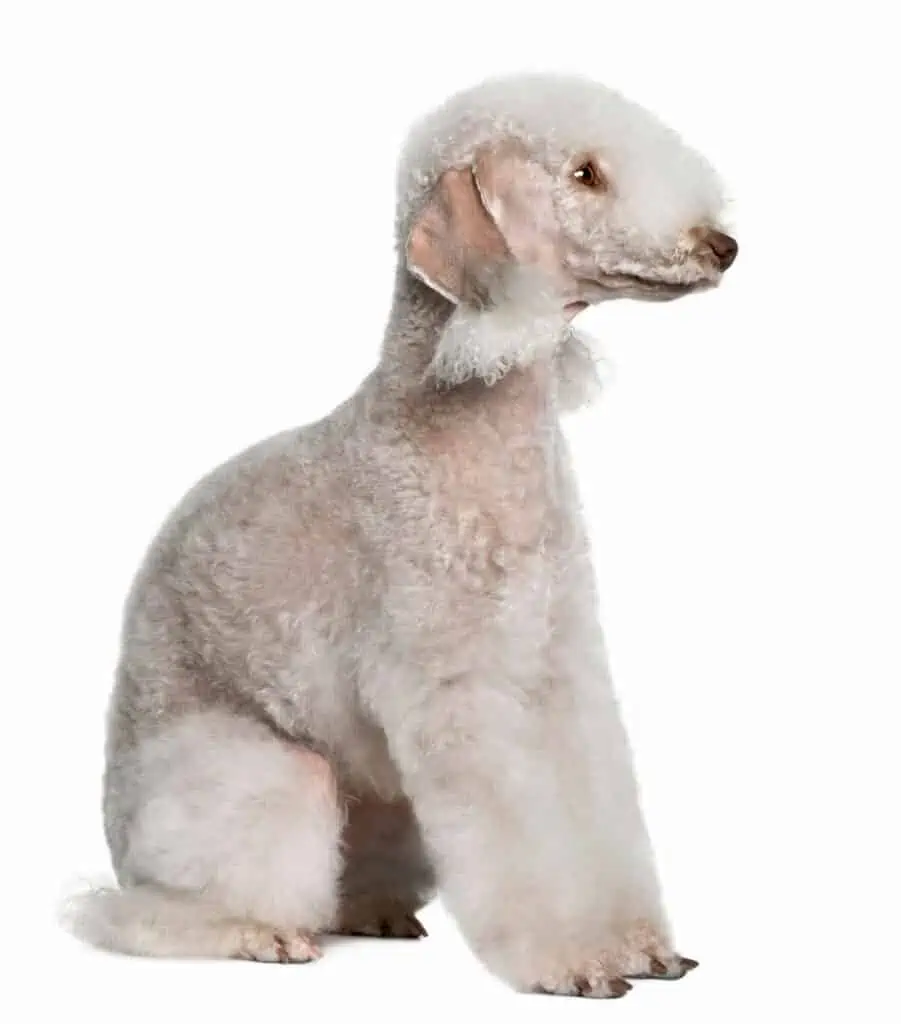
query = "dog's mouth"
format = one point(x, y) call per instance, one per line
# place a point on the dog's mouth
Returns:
point(633, 286)
point(661, 291)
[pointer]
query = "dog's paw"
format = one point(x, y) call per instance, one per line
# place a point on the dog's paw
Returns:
point(268, 945)
point(389, 923)
point(669, 968)
point(647, 955)
point(591, 981)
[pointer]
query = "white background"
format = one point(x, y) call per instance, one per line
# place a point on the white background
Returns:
point(195, 252)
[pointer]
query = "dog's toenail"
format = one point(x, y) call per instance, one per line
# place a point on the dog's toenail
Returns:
point(583, 986)
point(658, 967)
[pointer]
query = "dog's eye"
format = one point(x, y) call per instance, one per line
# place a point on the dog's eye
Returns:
point(589, 175)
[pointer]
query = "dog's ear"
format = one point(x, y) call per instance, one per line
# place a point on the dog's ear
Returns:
point(481, 218)
point(454, 245)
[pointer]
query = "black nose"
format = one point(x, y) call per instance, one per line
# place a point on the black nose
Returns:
point(723, 246)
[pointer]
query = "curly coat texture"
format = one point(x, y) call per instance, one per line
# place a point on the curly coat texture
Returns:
point(362, 658)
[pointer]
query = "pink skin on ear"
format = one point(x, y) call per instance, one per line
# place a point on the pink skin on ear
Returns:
point(454, 237)
point(478, 219)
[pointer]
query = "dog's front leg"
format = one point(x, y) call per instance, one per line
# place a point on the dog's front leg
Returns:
point(476, 757)
point(623, 915)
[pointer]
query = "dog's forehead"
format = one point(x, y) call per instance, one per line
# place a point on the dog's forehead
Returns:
point(556, 117)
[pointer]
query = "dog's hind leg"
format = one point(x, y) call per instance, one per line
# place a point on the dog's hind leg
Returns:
point(226, 843)
point(387, 875)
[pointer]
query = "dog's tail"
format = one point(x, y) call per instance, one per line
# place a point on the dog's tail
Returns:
point(148, 921)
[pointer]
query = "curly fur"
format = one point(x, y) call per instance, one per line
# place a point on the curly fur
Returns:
point(362, 658)
point(524, 322)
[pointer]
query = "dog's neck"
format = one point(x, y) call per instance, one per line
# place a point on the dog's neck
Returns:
point(418, 315)
point(417, 318)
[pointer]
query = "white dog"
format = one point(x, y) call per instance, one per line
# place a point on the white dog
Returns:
point(362, 660)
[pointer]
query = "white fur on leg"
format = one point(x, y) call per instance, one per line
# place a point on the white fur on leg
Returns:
point(228, 808)
point(225, 825)
point(146, 921)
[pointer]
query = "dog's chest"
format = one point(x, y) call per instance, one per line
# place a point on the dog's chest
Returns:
point(494, 491)
point(492, 476)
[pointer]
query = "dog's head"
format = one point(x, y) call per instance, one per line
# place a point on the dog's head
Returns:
point(567, 180)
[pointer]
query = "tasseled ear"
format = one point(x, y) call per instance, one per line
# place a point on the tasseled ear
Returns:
point(520, 322)
point(579, 370)
point(487, 240)
point(454, 246)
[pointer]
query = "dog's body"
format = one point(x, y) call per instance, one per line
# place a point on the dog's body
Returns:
point(362, 659)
